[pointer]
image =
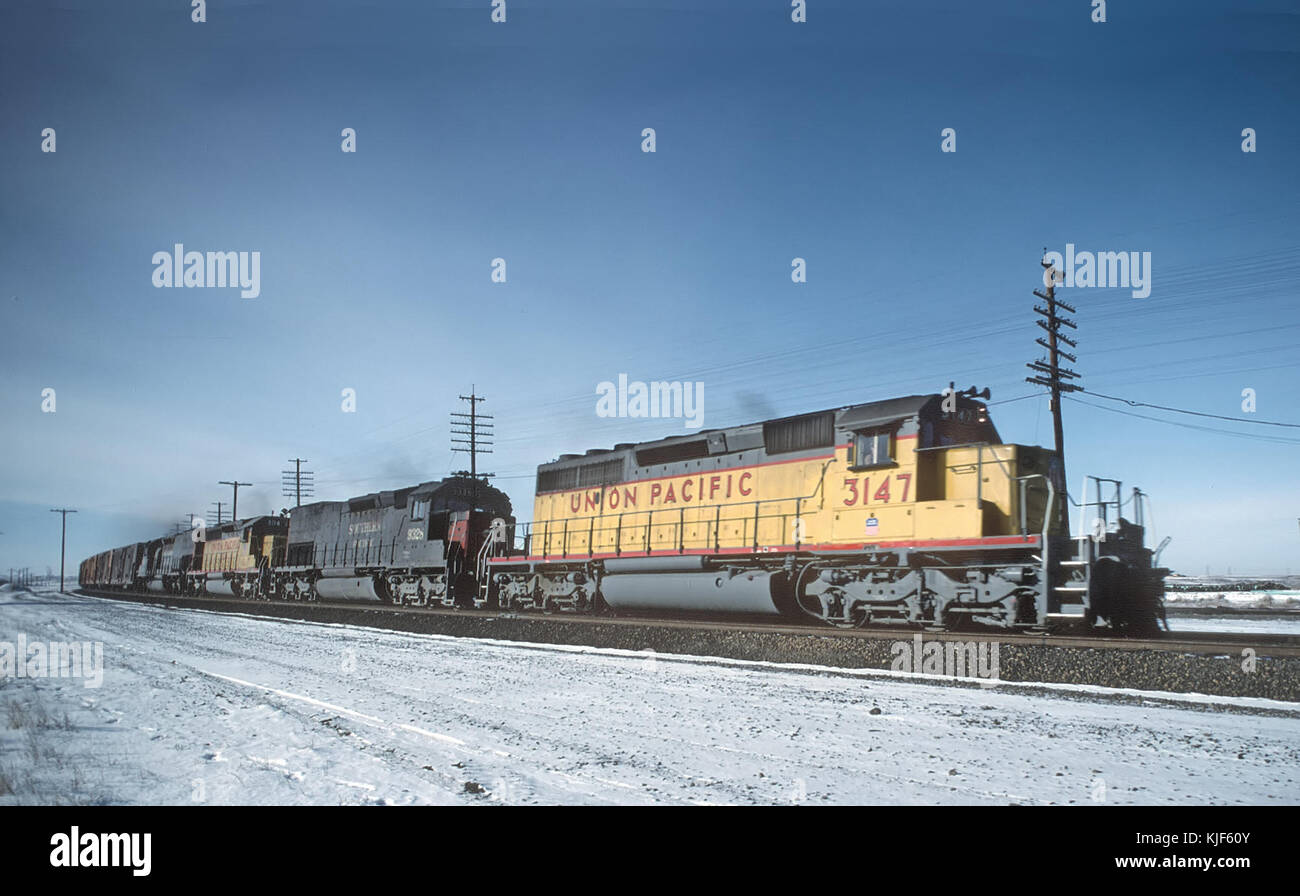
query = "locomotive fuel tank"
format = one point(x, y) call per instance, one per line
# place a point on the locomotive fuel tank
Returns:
point(217, 584)
point(345, 584)
point(643, 585)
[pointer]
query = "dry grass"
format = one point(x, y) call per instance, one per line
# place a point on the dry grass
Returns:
point(36, 767)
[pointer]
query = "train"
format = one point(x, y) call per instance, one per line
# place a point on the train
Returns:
point(413, 546)
point(907, 511)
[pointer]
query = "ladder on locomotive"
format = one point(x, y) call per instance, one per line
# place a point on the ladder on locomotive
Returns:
point(494, 545)
point(1077, 590)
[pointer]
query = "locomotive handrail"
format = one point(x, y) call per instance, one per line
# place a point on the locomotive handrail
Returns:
point(1044, 541)
point(1102, 503)
point(625, 534)
point(634, 532)
point(1047, 511)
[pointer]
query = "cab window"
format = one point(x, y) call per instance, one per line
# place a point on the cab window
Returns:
point(873, 448)
point(419, 509)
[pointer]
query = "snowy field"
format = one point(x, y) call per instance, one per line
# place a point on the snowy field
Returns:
point(1285, 622)
point(1245, 625)
point(198, 707)
point(1235, 600)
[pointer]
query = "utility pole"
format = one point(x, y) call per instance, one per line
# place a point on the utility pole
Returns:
point(234, 508)
point(479, 434)
point(293, 483)
point(218, 503)
point(1051, 374)
point(63, 543)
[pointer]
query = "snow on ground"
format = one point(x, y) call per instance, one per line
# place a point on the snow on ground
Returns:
point(203, 707)
point(1240, 624)
point(1235, 600)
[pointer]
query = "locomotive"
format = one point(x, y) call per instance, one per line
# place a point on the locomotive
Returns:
point(910, 510)
point(905, 511)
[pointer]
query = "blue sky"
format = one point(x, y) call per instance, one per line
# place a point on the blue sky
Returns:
point(523, 141)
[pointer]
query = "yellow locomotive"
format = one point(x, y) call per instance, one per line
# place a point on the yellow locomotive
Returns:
point(236, 559)
point(910, 510)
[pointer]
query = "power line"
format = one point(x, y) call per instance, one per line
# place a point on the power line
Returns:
point(1161, 407)
point(1239, 280)
point(1227, 432)
point(1010, 400)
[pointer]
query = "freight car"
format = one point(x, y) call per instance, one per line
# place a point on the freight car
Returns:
point(910, 510)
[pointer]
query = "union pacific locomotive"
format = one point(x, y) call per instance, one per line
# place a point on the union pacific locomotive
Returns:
point(909, 511)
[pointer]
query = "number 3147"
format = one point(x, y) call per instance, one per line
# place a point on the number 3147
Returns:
point(860, 487)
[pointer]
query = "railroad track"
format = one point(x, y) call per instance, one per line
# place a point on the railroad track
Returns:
point(1213, 643)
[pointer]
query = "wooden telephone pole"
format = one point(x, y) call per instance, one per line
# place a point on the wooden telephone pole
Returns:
point(479, 435)
point(234, 507)
point(63, 543)
point(296, 483)
point(1051, 374)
